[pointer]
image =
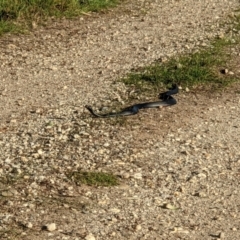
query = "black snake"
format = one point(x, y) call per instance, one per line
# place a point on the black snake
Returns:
point(166, 100)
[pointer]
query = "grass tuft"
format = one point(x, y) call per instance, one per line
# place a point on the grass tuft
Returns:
point(15, 14)
point(93, 178)
point(201, 67)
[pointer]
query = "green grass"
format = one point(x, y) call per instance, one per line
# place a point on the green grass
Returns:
point(16, 15)
point(93, 178)
point(201, 67)
point(6, 26)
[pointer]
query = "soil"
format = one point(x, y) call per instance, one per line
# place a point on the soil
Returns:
point(178, 167)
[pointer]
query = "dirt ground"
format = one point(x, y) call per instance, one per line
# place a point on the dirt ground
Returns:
point(178, 167)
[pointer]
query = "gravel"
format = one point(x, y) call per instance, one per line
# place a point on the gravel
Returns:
point(178, 168)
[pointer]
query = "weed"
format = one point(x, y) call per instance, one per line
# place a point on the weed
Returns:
point(93, 178)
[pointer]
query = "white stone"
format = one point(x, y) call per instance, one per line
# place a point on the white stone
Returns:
point(90, 237)
point(29, 225)
point(138, 176)
point(51, 227)
point(115, 210)
point(138, 227)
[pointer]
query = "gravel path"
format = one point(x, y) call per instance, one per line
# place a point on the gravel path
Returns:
point(179, 167)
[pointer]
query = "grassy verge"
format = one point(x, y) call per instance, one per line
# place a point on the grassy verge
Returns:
point(204, 67)
point(19, 15)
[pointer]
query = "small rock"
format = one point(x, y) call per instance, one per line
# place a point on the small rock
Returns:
point(7, 194)
point(39, 110)
point(106, 144)
point(137, 175)
point(29, 225)
point(222, 235)
point(76, 136)
point(13, 120)
point(101, 151)
point(202, 175)
point(126, 175)
point(115, 210)
point(138, 227)
point(90, 237)
point(198, 136)
point(54, 68)
point(24, 159)
point(169, 206)
point(13, 191)
point(50, 227)
point(40, 151)
point(11, 46)
point(180, 230)
point(34, 25)
point(224, 71)
point(8, 160)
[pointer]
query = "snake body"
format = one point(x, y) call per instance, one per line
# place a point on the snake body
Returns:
point(166, 100)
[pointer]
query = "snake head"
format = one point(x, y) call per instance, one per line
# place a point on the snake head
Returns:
point(88, 107)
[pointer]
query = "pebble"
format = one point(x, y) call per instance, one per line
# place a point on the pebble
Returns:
point(13, 121)
point(224, 71)
point(115, 210)
point(50, 227)
point(138, 227)
point(137, 175)
point(6, 193)
point(29, 225)
point(90, 237)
